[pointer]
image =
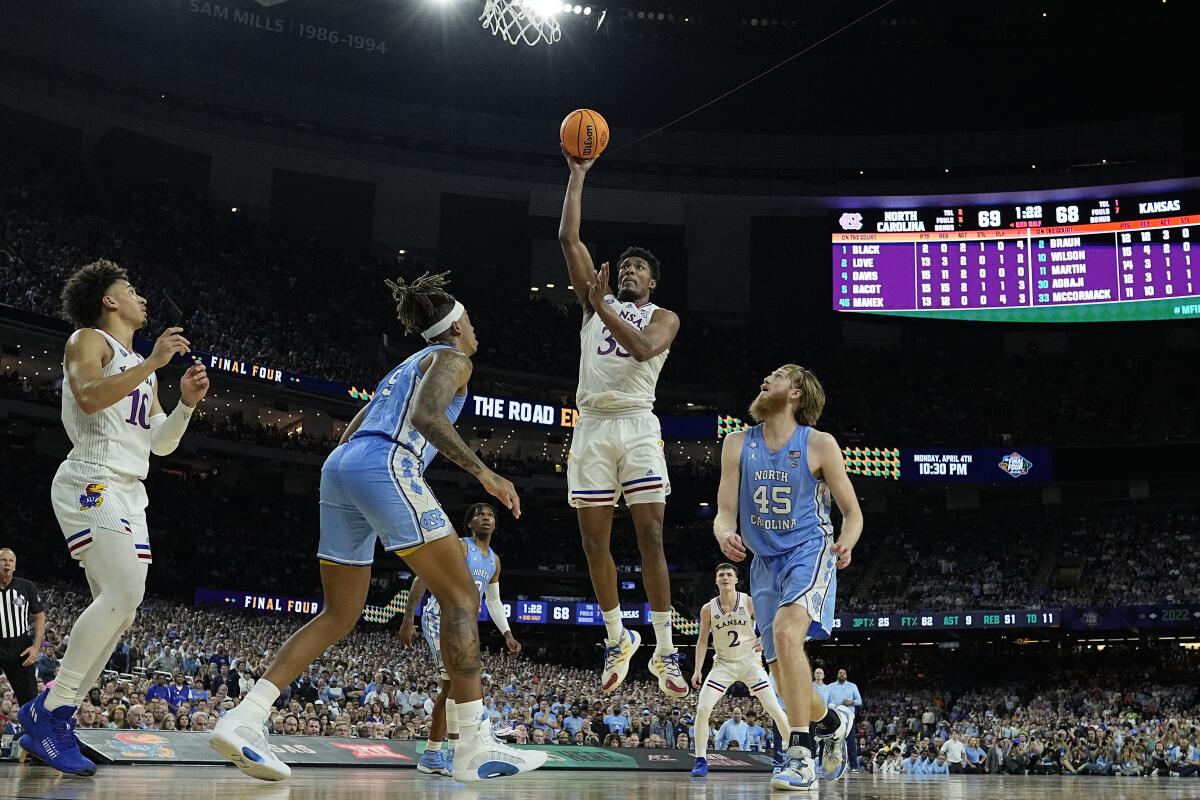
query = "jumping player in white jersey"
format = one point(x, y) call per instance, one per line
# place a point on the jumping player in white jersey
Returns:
point(738, 657)
point(484, 563)
point(373, 488)
point(111, 412)
point(616, 449)
point(776, 482)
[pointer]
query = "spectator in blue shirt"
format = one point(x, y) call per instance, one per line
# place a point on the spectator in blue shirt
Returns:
point(844, 693)
point(220, 658)
point(617, 723)
point(938, 766)
point(179, 693)
point(913, 765)
point(733, 729)
point(974, 757)
point(544, 719)
point(819, 685)
point(574, 722)
point(159, 689)
point(756, 737)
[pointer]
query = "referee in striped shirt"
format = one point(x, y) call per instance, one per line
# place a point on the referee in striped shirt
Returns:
point(22, 627)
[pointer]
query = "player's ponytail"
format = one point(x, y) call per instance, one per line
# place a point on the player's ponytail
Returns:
point(422, 301)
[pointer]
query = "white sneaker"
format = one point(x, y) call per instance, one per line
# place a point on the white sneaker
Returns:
point(481, 756)
point(834, 754)
point(800, 774)
point(242, 739)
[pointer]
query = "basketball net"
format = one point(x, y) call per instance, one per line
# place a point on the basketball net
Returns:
point(520, 21)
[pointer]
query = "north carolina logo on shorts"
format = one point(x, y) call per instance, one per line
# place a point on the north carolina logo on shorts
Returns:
point(93, 496)
point(432, 520)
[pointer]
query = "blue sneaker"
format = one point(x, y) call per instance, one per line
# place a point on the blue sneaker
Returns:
point(701, 768)
point(433, 762)
point(50, 735)
point(835, 756)
point(449, 773)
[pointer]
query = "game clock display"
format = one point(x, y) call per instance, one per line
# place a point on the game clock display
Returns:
point(941, 620)
point(1126, 255)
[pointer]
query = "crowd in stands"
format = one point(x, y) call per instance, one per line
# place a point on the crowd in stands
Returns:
point(301, 307)
point(1133, 711)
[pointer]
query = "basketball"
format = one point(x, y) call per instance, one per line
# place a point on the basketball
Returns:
point(584, 133)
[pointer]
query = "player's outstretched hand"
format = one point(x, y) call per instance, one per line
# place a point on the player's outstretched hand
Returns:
point(598, 287)
point(408, 633)
point(503, 490)
point(843, 555)
point(732, 547)
point(577, 165)
point(194, 385)
point(167, 345)
point(514, 647)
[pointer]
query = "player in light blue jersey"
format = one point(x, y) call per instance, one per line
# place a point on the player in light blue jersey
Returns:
point(484, 564)
point(373, 486)
point(776, 482)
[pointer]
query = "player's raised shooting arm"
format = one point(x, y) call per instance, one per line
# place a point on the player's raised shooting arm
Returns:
point(84, 361)
point(645, 343)
point(447, 375)
point(580, 267)
point(726, 521)
point(833, 471)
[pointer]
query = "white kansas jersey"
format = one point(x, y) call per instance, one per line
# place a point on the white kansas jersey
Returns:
point(611, 381)
point(732, 629)
point(117, 438)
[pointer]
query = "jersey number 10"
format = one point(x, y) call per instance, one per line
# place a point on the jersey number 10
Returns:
point(780, 502)
point(140, 411)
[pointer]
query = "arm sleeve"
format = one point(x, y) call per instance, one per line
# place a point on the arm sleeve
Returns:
point(495, 607)
point(166, 430)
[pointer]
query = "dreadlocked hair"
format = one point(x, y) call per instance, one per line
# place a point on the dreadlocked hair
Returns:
point(422, 301)
point(83, 293)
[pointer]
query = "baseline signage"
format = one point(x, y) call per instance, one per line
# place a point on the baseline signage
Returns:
point(186, 747)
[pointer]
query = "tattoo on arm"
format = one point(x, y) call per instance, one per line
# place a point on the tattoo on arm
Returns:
point(460, 642)
point(449, 371)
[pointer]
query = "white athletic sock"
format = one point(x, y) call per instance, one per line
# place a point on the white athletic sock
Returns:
point(262, 698)
point(452, 724)
point(661, 621)
point(468, 718)
point(612, 625)
point(65, 690)
point(121, 578)
point(432, 747)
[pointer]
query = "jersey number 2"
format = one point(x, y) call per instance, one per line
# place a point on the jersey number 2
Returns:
point(733, 638)
point(780, 502)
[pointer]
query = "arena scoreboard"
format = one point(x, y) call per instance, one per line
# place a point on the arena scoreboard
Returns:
point(1125, 255)
point(947, 620)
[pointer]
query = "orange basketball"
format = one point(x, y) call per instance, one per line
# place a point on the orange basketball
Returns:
point(584, 133)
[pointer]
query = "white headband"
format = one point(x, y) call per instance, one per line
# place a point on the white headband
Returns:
point(440, 327)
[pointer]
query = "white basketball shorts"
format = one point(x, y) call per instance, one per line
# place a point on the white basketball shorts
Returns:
point(613, 457)
point(90, 501)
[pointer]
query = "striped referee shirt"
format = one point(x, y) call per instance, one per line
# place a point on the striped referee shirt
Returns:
point(19, 601)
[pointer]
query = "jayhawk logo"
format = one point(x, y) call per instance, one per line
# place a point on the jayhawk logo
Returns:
point(93, 496)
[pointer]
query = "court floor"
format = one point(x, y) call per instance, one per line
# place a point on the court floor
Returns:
point(27, 782)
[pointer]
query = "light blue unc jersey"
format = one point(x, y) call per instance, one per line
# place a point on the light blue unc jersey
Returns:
point(781, 504)
point(482, 568)
point(390, 412)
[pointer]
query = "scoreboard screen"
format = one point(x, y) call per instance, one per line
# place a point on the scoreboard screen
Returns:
point(1127, 255)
